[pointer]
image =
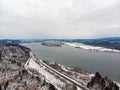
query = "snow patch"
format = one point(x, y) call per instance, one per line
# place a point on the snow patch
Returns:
point(49, 77)
point(93, 48)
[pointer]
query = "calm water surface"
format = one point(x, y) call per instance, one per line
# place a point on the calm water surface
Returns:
point(107, 63)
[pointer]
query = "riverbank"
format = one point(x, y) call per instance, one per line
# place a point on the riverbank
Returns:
point(39, 68)
point(79, 75)
point(91, 48)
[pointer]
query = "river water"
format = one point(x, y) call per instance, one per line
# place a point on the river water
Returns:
point(107, 63)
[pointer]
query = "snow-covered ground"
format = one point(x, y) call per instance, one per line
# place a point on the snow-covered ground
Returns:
point(49, 77)
point(118, 84)
point(93, 48)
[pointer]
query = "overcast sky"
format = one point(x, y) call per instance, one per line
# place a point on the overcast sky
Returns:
point(59, 19)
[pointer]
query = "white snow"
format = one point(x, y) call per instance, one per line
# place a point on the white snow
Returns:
point(49, 77)
point(64, 68)
point(93, 48)
point(92, 75)
point(79, 88)
point(118, 84)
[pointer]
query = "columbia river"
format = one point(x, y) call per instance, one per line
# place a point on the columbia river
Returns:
point(107, 63)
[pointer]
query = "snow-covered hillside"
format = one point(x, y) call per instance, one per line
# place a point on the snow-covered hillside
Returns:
point(13, 75)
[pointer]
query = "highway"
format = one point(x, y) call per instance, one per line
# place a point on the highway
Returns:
point(64, 76)
point(41, 63)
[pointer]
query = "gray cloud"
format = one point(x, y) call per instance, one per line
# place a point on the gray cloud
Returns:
point(59, 18)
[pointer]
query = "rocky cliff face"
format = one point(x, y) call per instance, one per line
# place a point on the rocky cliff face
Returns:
point(100, 83)
point(13, 75)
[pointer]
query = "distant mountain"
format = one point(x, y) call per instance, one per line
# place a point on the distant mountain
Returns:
point(110, 38)
point(10, 41)
point(107, 42)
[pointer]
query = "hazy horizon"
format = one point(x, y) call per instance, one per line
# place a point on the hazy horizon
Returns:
point(59, 19)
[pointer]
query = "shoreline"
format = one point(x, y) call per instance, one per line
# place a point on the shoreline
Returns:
point(50, 76)
point(86, 47)
point(91, 48)
point(62, 66)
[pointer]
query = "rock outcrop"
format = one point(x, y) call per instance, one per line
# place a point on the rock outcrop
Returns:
point(100, 83)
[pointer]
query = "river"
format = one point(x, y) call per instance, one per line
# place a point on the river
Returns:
point(107, 63)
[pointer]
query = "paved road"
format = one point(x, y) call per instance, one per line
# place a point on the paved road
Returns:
point(40, 62)
point(63, 76)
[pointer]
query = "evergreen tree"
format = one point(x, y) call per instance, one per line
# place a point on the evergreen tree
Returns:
point(74, 87)
point(6, 85)
point(0, 87)
point(0, 55)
